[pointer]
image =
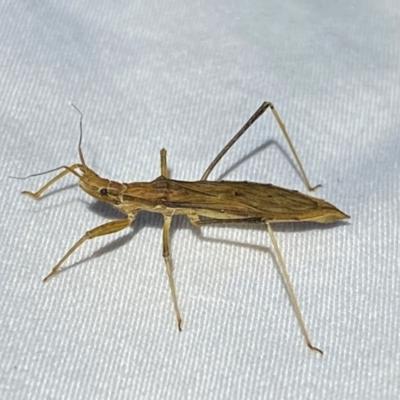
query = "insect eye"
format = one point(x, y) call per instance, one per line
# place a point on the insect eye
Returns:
point(103, 191)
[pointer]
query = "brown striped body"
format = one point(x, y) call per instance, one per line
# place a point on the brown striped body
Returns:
point(226, 200)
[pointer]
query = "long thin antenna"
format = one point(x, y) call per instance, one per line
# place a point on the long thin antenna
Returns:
point(36, 174)
point(80, 136)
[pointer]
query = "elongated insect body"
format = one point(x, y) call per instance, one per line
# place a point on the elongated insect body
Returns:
point(241, 200)
point(225, 200)
point(202, 202)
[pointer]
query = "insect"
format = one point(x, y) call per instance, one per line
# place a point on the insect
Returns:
point(202, 202)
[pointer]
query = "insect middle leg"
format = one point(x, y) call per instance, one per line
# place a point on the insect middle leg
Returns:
point(264, 107)
point(168, 269)
point(166, 253)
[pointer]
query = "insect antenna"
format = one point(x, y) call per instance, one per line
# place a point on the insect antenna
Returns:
point(22, 178)
point(65, 167)
point(80, 138)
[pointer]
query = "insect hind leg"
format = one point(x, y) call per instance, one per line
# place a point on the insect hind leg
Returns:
point(260, 111)
point(289, 289)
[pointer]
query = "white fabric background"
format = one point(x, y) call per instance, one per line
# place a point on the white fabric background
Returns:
point(186, 76)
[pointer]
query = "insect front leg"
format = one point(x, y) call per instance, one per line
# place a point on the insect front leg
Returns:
point(289, 289)
point(104, 229)
point(66, 171)
point(168, 269)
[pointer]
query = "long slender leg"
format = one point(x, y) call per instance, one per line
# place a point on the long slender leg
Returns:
point(245, 127)
point(168, 269)
point(104, 229)
point(289, 289)
point(197, 221)
point(66, 171)
point(166, 254)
